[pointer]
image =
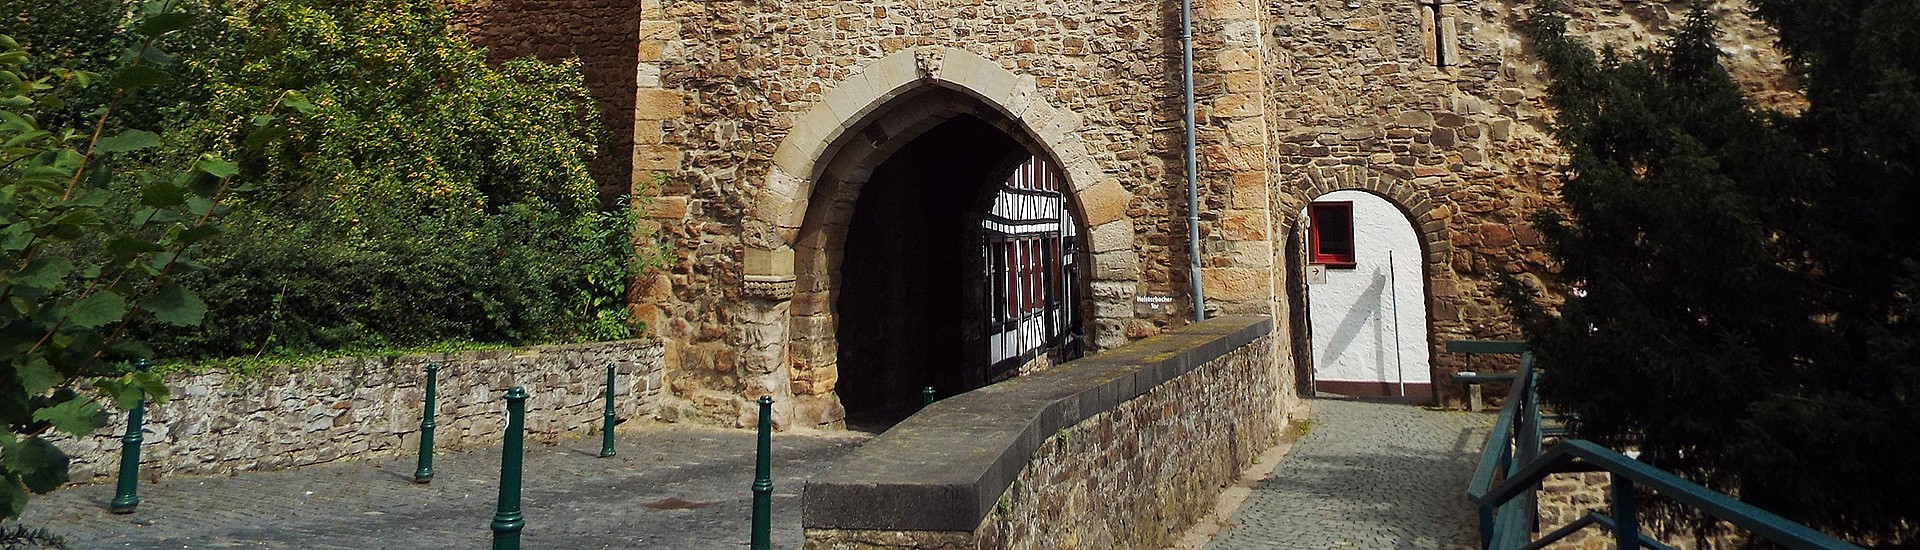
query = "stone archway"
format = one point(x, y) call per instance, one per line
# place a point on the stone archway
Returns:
point(1412, 201)
point(800, 216)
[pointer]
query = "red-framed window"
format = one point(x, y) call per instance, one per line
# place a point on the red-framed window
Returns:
point(1330, 233)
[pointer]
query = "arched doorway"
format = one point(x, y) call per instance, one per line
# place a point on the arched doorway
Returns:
point(949, 251)
point(795, 234)
point(1366, 297)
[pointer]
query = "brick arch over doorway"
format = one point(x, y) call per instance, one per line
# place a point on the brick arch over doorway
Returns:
point(1436, 243)
point(1412, 199)
point(799, 217)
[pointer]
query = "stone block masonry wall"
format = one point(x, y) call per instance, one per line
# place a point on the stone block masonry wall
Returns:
point(737, 80)
point(1440, 107)
point(1126, 470)
point(1567, 497)
point(1138, 475)
point(349, 409)
point(751, 116)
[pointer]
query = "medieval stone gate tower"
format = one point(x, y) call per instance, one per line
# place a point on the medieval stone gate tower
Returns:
point(759, 133)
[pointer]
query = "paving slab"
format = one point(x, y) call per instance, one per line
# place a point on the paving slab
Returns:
point(670, 486)
point(1368, 476)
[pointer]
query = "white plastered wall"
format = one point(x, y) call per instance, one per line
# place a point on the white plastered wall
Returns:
point(1352, 313)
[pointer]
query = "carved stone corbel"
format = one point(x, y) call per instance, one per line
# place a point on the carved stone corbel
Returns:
point(769, 273)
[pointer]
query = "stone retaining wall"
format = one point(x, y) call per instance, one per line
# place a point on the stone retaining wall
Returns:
point(1569, 496)
point(1122, 450)
point(350, 409)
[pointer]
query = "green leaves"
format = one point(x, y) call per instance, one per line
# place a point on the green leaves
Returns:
point(128, 389)
point(161, 193)
point(94, 311)
point(37, 376)
point(135, 77)
point(77, 416)
point(131, 140)
point(1742, 320)
point(86, 256)
point(175, 305)
point(263, 135)
point(13, 497)
point(298, 101)
point(211, 164)
point(159, 24)
point(38, 464)
point(42, 273)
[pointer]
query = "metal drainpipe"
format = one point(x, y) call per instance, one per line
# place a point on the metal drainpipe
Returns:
point(1193, 178)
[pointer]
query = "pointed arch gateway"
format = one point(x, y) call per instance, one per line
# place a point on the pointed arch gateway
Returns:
point(920, 228)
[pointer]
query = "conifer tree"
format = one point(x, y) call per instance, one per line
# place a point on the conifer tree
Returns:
point(1745, 283)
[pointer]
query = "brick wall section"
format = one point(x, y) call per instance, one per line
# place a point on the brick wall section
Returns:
point(1133, 476)
point(351, 409)
point(600, 33)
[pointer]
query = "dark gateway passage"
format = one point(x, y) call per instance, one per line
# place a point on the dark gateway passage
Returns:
point(957, 269)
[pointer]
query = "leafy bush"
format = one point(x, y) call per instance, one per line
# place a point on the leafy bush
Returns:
point(296, 289)
point(428, 197)
point(391, 189)
point(78, 269)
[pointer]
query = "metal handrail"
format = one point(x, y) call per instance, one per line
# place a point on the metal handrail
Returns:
point(1508, 509)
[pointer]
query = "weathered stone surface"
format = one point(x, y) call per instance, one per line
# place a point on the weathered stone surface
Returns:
point(1462, 147)
point(1564, 498)
point(741, 106)
point(1056, 459)
point(357, 408)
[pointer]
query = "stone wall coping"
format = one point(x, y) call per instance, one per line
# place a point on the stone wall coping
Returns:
point(944, 468)
point(423, 357)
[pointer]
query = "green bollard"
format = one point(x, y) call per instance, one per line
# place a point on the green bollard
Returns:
point(606, 427)
point(127, 496)
point(926, 397)
point(507, 520)
point(424, 473)
point(763, 480)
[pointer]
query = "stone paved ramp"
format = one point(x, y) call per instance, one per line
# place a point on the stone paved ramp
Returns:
point(1368, 476)
point(573, 499)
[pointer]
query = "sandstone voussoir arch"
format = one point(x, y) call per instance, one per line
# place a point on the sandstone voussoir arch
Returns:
point(780, 205)
point(1412, 199)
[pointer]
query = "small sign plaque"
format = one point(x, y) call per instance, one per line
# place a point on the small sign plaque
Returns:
point(1152, 305)
point(1316, 274)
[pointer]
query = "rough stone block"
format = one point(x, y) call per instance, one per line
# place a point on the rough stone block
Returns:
point(667, 208)
point(981, 75)
point(659, 30)
point(1245, 224)
point(1104, 202)
point(850, 98)
point(1116, 265)
point(657, 104)
point(656, 157)
point(1236, 284)
point(1115, 235)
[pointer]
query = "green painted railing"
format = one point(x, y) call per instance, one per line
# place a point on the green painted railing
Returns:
point(1506, 484)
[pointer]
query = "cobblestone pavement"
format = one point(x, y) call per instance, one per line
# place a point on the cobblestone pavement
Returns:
point(1368, 476)
point(695, 479)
